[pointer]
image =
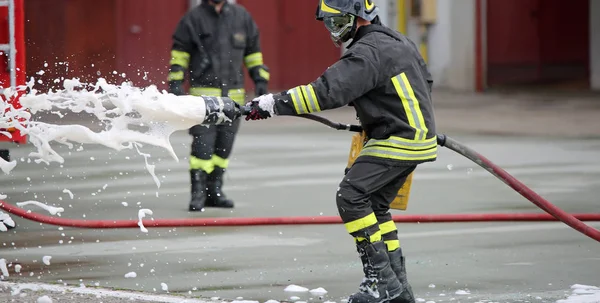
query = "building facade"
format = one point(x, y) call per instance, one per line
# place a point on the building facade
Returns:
point(470, 45)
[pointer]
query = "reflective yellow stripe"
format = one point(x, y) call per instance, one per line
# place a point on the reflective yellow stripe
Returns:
point(304, 99)
point(399, 142)
point(298, 101)
point(220, 162)
point(205, 165)
point(180, 58)
point(392, 244)
point(328, 9)
point(387, 227)
point(362, 223)
point(176, 76)
point(236, 94)
point(372, 238)
point(311, 97)
point(392, 153)
point(401, 149)
point(205, 91)
point(264, 74)
point(253, 60)
point(411, 105)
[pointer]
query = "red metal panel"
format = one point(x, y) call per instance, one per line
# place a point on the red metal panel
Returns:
point(564, 33)
point(513, 40)
point(19, 38)
point(307, 49)
point(89, 40)
point(144, 29)
point(296, 47)
point(544, 41)
point(264, 13)
point(79, 32)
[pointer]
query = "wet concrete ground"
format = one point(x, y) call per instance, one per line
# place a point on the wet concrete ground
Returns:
point(292, 169)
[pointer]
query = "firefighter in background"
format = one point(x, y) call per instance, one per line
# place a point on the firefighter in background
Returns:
point(212, 41)
point(383, 76)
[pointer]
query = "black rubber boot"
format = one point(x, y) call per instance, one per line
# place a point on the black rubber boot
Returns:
point(199, 181)
point(397, 263)
point(216, 198)
point(380, 283)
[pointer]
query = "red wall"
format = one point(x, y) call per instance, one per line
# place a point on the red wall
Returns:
point(296, 47)
point(537, 41)
point(134, 37)
point(143, 30)
point(79, 32)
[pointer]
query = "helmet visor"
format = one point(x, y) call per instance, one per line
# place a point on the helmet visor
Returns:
point(339, 25)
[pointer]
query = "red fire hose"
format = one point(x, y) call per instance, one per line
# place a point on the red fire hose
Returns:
point(276, 220)
point(554, 213)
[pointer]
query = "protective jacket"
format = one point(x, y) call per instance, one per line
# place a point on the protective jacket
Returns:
point(213, 46)
point(387, 81)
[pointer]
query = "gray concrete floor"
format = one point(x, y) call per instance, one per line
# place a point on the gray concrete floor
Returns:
point(292, 169)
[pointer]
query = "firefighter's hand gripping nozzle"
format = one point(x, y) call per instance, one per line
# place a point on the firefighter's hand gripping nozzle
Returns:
point(221, 110)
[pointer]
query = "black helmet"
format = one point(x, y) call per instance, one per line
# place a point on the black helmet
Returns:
point(365, 9)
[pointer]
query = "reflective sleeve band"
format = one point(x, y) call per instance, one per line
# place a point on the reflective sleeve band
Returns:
point(264, 74)
point(253, 60)
point(205, 165)
point(304, 99)
point(176, 76)
point(397, 148)
point(180, 58)
point(411, 106)
point(220, 162)
point(362, 223)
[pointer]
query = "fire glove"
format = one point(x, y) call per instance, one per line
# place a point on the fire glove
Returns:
point(176, 87)
point(256, 113)
point(261, 107)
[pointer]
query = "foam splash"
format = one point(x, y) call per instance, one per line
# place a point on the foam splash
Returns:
point(132, 116)
point(583, 294)
point(3, 268)
point(141, 214)
point(55, 211)
point(7, 167)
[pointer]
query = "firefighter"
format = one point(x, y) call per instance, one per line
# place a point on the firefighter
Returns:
point(383, 76)
point(211, 43)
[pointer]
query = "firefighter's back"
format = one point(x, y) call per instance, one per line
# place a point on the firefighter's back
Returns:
point(399, 112)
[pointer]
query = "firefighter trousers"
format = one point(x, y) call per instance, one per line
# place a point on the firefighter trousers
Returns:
point(364, 197)
point(212, 145)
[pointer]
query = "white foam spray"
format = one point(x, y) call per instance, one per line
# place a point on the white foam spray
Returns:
point(132, 116)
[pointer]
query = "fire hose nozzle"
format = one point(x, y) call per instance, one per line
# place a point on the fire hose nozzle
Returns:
point(221, 110)
point(441, 140)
